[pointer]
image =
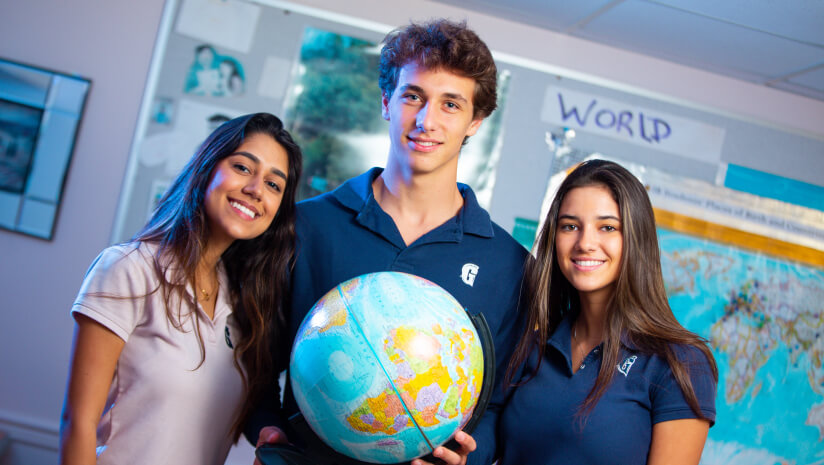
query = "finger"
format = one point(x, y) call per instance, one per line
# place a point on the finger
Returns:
point(466, 441)
point(449, 456)
point(263, 435)
point(270, 435)
point(458, 456)
point(420, 462)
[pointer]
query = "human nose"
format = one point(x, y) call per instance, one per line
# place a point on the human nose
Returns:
point(425, 119)
point(254, 187)
point(587, 239)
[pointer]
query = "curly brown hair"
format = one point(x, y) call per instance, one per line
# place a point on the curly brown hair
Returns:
point(441, 44)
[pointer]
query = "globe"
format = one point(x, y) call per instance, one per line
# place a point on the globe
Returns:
point(386, 367)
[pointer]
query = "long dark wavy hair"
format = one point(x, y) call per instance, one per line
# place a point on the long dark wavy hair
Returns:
point(638, 311)
point(257, 269)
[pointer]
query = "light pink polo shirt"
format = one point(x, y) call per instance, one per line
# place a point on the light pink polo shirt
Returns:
point(160, 409)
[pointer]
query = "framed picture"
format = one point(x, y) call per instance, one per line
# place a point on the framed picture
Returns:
point(40, 111)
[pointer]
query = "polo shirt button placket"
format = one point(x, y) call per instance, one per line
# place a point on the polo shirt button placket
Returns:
point(210, 333)
point(584, 365)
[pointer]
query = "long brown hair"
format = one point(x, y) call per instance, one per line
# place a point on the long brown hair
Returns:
point(257, 269)
point(638, 311)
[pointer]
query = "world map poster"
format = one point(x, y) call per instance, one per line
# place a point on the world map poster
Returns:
point(764, 318)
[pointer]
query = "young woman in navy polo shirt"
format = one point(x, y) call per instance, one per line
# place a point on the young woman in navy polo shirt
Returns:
point(608, 376)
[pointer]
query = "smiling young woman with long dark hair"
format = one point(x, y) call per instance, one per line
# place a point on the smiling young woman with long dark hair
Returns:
point(605, 374)
point(174, 329)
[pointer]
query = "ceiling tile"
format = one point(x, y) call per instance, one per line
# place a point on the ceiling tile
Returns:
point(698, 41)
point(752, 40)
point(556, 15)
point(801, 20)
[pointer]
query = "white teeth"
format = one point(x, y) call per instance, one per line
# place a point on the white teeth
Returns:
point(588, 262)
point(427, 144)
point(243, 209)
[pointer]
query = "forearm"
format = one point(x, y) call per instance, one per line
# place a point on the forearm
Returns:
point(94, 356)
point(78, 443)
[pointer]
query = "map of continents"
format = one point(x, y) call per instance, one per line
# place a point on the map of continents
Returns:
point(425, 382)
point(764, 318)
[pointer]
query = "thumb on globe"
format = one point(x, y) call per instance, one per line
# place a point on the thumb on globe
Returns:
point(271, 435)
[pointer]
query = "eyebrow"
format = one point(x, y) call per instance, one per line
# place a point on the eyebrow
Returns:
point(447, 95)
point(255, 159)
point(603, 217)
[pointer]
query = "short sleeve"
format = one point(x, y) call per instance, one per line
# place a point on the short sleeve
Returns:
point(669, 402)
point(114, 290)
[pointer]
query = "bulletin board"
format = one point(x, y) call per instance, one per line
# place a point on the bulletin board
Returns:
point(215, 60)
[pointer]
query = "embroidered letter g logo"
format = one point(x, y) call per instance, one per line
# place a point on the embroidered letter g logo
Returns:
point(468, 273)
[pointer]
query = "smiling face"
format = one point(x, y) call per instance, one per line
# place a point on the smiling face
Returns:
point(589, 241)
point(430, 113)
point(245, 190)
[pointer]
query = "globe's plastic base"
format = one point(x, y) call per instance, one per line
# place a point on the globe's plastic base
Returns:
point(316, 452)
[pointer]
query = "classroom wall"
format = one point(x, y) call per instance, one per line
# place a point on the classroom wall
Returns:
point(112, 43)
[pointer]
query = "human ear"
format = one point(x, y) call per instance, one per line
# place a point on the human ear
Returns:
point(385, 106)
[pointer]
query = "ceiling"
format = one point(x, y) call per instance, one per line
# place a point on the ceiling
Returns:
point(775, 43)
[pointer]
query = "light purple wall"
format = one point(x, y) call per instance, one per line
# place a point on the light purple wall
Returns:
point(111, 43)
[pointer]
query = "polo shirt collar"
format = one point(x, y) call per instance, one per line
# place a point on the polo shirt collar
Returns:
point(223, 304)
point(356, 194)
point(561, 340)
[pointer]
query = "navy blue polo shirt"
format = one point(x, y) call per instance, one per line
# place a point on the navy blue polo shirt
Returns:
point(345, 233)
point(539, 423)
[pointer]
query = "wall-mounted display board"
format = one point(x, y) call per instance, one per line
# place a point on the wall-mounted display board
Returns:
point(216, 59)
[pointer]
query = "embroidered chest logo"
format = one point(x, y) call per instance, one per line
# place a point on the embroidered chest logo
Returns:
point(228, 338)
point(468, 273)
point(624, 367)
